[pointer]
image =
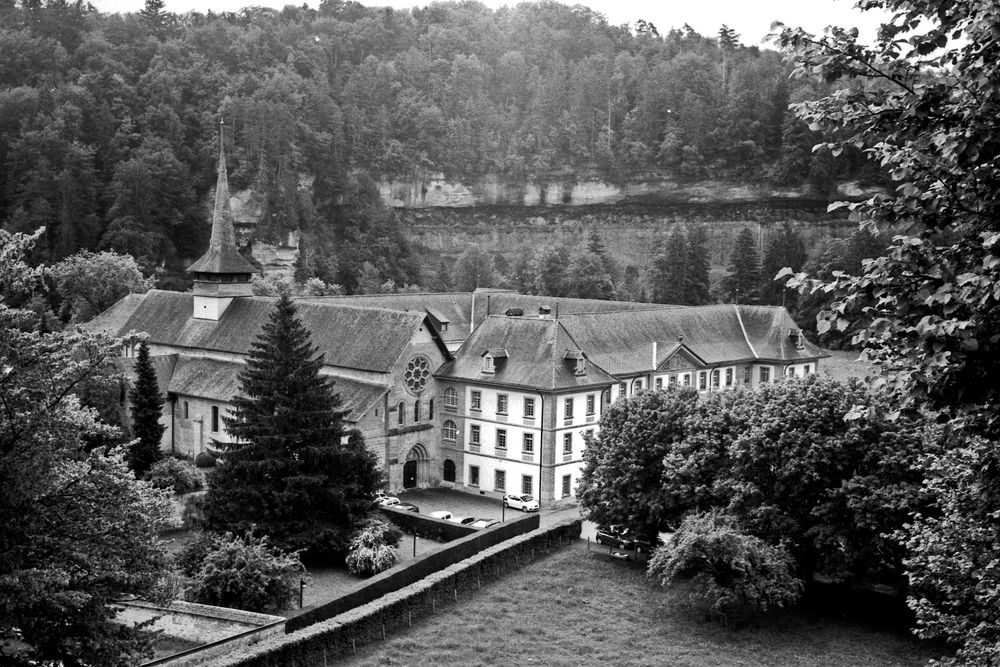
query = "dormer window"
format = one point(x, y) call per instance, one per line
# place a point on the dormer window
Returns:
point(576, 358)
point(797, 338)
point(488, 364)
point(493, 358)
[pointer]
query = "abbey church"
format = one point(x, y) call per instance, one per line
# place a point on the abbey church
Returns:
point(490, 391)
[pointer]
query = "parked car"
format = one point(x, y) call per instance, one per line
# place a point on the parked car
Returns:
point(388, 501)
point(615, 536)
point(483, 523)
point(521, 502)
point(441, 514)
point(464, 520)
point(407, 507)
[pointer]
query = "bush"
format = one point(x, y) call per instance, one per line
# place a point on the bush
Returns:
point(727, 567)
point(373, 549)
point(243, 572)
point(175, 474)
point(204, 460)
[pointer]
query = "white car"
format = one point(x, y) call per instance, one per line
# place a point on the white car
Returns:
point(481, 524)
point(464, 520)
point(525, 503)
point(441, 514)
point(386, 501)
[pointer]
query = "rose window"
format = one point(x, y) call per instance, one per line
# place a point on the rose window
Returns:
point(417, 373)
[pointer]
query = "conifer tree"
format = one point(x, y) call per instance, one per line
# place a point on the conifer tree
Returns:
point(699, 288)
point(293, 472)
point(786, 249)
point(668, 273)
point(743, 281)
point(147, 406)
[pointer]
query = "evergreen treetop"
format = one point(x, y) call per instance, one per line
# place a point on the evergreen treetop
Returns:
point(147, 407)
point(294, 471)
point(743, 280)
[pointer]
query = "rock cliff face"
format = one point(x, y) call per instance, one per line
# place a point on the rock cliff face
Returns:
point(434, 190)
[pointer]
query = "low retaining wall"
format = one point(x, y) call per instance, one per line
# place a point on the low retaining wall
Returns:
point(396, 578)
point(425, 526)
point(219, 630)
point(373, 621)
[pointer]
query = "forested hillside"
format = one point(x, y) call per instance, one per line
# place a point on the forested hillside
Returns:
point(109, 123)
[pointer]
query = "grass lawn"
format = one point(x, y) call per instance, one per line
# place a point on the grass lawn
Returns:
point(572, 609)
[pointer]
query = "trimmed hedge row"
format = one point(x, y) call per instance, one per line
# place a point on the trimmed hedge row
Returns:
point(396, 578)
point(425, 526)
point(341, 636)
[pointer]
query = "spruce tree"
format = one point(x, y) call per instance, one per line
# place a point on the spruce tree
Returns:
point(698, 285)
point(743, 281)
point(785, 250)
point(293, 472)
point(668, 272)
point(147, 406)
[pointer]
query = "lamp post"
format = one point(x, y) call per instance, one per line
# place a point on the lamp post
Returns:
point(302, 588)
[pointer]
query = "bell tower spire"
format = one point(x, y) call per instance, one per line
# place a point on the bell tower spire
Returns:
point(221, 274)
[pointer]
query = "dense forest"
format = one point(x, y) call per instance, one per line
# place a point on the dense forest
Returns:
point(109, 123)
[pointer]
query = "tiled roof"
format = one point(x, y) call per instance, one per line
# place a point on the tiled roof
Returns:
point(537, 349)
point(163, 368)
point(622, 343)
point(360, 338)
point(219, 381)
point(115, 317)
point(456, 308)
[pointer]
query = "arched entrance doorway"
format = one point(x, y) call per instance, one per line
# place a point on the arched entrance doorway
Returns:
point(415, 467)
point(449, 470)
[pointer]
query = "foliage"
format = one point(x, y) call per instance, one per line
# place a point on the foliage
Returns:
point(245, 572)
point(204, 460)
point(742, 283)
point(473, 270)
point(669, 269)
point(292, 471)
point(178, 475)
point(623, 475)
point(373, 548)
point(786, 249)
point(147, 408)
point(926, 310)
point(79, 531)
point(728, 567)
point(89, 283)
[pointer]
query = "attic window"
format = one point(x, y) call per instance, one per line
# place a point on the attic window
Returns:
point(579, 362)
point(488, 365)
point(797, 338)
point(581, 366)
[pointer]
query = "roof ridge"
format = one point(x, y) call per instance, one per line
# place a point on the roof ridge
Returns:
point(739, 318)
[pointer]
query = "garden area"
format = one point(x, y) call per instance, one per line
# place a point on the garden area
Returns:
point(578, 608)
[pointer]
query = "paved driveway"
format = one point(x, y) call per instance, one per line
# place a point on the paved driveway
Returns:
point(460, 503)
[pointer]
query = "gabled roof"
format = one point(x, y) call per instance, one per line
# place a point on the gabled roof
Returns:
point(622, 343)
point(537, 349)
point(678, 348)
point(370, 339)
point(163, 367)
point(115, 317)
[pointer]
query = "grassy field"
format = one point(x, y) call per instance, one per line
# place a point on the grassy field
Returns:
point(571, 608)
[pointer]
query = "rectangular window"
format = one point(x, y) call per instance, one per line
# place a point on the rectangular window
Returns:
point(501, 404)
point(673, 381)
point(702, 380)
point(529, 408)
point(729, 377)
point(567, 485)
point(568, 444)
point(215, 419)
point(501, 438)
point(529, 443)
point(526, 483)
point(591, 404)
point(808, 369)
point(476, 400)
point(637, 385)
point(568, 409)
point(621, 390)
point(499, 480)
point(473, 475)
point(687, 379)
point(746, 375)
point(659, 383)
point(765, 375)
point(474, 434)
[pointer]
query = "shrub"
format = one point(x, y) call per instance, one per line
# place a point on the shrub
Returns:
point(727, 567)
point(175, 474)
point(373, 549)
point(204, 460)
point(243, 572)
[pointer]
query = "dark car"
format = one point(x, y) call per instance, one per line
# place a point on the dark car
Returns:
point(615, 536)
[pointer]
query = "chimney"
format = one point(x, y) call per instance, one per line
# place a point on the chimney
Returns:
point(544, 313)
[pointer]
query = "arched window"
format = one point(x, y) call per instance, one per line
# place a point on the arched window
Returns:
point(416, 411)
point(187, 410)
point(450, 398)
point(449, 431)
point(449, 470)
point(400, 413)
point(430, 410)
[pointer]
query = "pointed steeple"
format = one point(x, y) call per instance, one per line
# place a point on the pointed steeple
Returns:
point(222, 256)
point(221, 274)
